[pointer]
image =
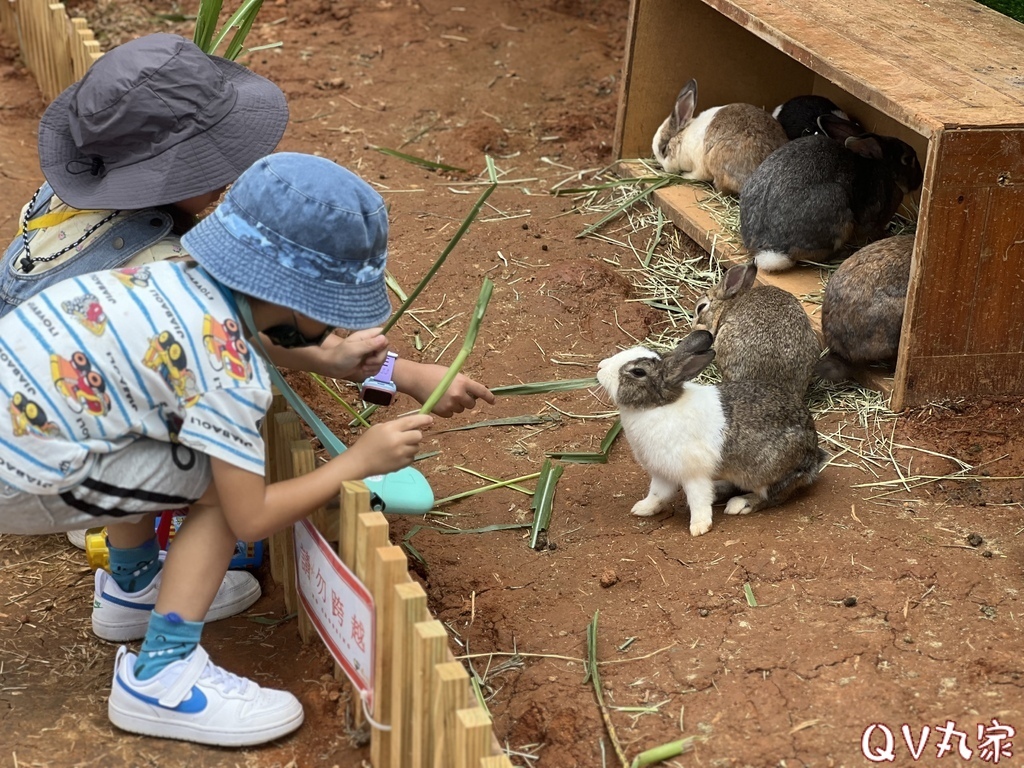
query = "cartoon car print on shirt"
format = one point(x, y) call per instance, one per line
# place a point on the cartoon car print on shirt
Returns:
point(88, 311)
point(133, 277)
point(83, 388)
point(27, 417)
point(166, 356)
point(227, 349)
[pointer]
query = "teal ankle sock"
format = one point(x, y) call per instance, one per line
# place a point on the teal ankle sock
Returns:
point(168, 639)
point(134, 569)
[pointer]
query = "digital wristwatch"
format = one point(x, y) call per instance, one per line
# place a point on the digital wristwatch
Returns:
point(379, 389)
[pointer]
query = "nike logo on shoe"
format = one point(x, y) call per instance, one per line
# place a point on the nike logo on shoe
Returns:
point(195, 703)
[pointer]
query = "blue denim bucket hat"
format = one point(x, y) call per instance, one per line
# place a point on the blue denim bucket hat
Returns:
point(301, 232)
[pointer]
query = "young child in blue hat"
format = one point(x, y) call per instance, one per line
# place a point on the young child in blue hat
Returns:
point(133, 391)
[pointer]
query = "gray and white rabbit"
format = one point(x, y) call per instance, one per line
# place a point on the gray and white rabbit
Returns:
point(750, 435)
point(722, 145)
point(761, 331)
point(862, 313)
point(815, 195)
point(799, 116)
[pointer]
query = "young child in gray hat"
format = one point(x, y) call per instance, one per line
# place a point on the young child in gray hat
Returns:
point(156, 399)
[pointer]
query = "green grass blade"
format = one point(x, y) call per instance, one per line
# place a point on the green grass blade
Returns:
point(245, 24)
point(614, 431)
point(543, 499)
point(544, 387)
point(482, 489)
point(467, 347)
point(663, 753)
point(484, 529)
point(749, 595)
point(422, 162)
point(508, 421)
point(448, 248)
point(333, 393)
point(629, 201)
point(242, 18)
point(578, 458)
point(392, 283)
point(206, 23)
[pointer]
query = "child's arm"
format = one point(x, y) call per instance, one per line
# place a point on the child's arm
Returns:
point(420, 379)
point(353, 357)
point(361, 354)
point(254, 510)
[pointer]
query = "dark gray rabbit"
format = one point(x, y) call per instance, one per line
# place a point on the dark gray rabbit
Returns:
point(761, 331)
point(862, 313)
point(815, 195)
point(799, 116)
point(750, 435)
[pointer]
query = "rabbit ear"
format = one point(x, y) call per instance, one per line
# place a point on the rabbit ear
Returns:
point(837, 128)
point(739, 279)
point(865, 146)
point(686, 102)
point(692, 356)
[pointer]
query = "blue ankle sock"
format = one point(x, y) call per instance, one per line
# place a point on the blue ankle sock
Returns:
point(134, 569)
point(168, 639)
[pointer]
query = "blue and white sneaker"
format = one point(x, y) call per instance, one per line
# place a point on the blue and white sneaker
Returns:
point(195, 700)
point(120, 616)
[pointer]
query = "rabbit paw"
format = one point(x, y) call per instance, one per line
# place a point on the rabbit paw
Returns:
point(739, 505)
point(700, 525)
point(646, 507)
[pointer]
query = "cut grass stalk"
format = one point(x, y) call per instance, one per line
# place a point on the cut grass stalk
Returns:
point(594, 676)
point(490, 479)
point(749, 593)
point(508, 421)
point(598, 457)
point(492, 173)
point(483, 489)
point(423, 163)
point(627, 203)
point(330, 390)
point(664, 752)
point(467, 347)
point(543, 499)
point(543, 387)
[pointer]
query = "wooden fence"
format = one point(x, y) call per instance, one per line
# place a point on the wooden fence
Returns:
point(420, 690)
point(56, 49)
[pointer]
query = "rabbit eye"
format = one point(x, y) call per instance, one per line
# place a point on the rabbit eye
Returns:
point(637, 372)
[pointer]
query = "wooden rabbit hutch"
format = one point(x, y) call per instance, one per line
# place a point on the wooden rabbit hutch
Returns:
point(947, 76)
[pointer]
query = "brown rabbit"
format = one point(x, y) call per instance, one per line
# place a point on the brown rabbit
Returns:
point(723, 145)
point(862, 314)
point(761, 332)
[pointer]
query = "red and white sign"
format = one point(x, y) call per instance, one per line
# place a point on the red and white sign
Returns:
point(339, 605)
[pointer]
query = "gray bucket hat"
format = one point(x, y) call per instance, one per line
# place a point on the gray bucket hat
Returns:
point(301, 232)
point(156, 121)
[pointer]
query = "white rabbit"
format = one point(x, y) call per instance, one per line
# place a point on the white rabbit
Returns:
point(750, 435)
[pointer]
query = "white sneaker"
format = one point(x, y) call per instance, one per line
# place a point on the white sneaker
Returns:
point(120, 616)
point(77, 538)
point(195, 700)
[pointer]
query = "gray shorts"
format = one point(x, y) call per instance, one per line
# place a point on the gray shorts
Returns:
point(147, 476)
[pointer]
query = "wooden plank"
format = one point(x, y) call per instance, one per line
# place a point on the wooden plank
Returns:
point(389, 569)
point(287, 429)
point(472, 737)
point(355, 500)
point(430, 644)
point(451, 694)
point(496, 761)
point(272, 472)
point(968, 261)
point(371, 534)
point(762, 75)
point(410, 609)
point(303, 462)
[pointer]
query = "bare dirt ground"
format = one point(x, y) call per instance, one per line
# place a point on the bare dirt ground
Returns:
point(874, 604)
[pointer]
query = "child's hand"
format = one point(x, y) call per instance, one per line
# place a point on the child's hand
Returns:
point(390, 446)
point(358, 355)
point(462, 394)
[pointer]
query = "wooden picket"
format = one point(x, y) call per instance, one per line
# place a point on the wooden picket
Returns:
point(420, 690)
point(56, 49)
